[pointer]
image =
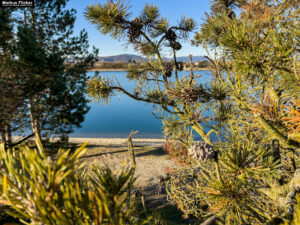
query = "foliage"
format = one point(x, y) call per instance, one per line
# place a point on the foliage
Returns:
point(292, 120)
point(44, 65)
point(296, 216)
point(12, 108)
point(256, 59)
point(177, 150)
point(252, 102)
point(103, 85)
point(58, 190)
point(232, 187)
point(203, 64)
point(157, 81)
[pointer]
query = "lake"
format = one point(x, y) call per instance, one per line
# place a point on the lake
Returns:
point(124, 114)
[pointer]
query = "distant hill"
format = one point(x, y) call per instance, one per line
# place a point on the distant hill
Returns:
point(120, 58)
point(136, 58)
point(195, 58)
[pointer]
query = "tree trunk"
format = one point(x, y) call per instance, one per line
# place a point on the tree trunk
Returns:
point(2, 135)
point(35, 122)
point(6, 135)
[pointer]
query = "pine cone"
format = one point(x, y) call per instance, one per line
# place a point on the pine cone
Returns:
point(170, 35)
point(179, 66)
point(189, 95)
point(175, 45)
point(202, 151)
point(168, 68)
point(135, 29)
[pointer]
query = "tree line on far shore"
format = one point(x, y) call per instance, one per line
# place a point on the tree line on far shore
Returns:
point(124, 65)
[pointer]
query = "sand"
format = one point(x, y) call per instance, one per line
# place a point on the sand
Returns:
point(118, 141)
point(106, 141)
point(151, 160)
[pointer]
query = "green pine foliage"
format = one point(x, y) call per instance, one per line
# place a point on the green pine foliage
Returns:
point(257, 61)
point(157, 82)
point(253, 99)
point(12, 107)
point(41, 189)
point(44, 67)
point(234, 186)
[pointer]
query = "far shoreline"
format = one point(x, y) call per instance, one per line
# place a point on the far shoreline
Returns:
point(113, 70)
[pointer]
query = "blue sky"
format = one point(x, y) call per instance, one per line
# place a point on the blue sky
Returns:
point(172, 9)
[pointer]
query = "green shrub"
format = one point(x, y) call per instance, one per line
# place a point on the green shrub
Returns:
point(57, 190)
point(234, 185)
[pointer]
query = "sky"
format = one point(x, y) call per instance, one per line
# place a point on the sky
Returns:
point(172, 9)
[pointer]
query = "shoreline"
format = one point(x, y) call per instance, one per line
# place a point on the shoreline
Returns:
point(107, 141)
point(114, 141)
point(105, 70)
point(125, 70)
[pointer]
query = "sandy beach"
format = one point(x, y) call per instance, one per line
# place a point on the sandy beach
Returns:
point(106, 141)
point(152, 160)
point(117, 141)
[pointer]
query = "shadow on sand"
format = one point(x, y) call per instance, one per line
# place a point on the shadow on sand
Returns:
point(139, 151)
point(102, 153)
point(155, 152)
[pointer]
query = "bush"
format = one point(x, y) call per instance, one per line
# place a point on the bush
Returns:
point(178, 151)
point(235, 185)
point(57, 190)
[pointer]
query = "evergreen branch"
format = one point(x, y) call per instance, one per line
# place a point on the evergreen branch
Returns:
point(210, 220)
point(273, 131)
point(145, 99)
point(22, 140)
point(175, 61)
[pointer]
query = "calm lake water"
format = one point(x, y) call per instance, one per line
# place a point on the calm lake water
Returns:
point(124, 114)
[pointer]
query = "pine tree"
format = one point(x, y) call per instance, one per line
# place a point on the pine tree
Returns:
point(158, 82)
point(244, 176)
point(54, 63)
point(257, 60)
point(12, 108)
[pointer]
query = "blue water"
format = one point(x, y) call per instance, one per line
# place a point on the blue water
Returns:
point(124, 114)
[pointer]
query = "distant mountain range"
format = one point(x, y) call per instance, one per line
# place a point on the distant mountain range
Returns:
point(136, 58)
point(121, 58)
point(195, 58)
